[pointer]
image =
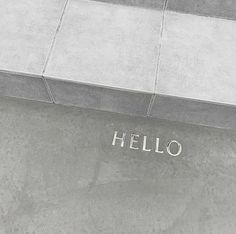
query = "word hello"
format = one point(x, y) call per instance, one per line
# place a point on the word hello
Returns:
point(135, 142)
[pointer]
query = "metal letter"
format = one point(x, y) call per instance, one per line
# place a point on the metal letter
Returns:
point(122, 139)
point(145, 144)
point(157, 146)
point(179, 148)
point(132, 141)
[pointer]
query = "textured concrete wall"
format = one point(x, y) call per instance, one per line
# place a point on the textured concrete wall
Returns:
point(60, 173)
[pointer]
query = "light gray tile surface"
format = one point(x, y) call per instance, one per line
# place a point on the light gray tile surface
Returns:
point(60, 174)
point(27, 31)
point(22, 86)
point(198, 58)
point(194, 112)
point(106, 44)
point(214, 8)
point(99, 98)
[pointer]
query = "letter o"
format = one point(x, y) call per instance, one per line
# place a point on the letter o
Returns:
point(179, 148)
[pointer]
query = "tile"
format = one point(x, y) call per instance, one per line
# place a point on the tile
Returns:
point(153, 4)
point(27, 31)
point(214, 8)
point(61, 174)
point(107, 44)
point(194, 112)
point(21, 86)
point(198, 58)
point(99, 98)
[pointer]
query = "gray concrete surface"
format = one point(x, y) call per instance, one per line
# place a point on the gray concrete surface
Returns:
point(198, 58)
point(153, 4)
point(118, 100)
point(99, 98)
point(60, 174)
point(27, 31)
point(118, 55)
point(194, 112)
point(107, 44)
point(214, 8)
point(23, 86)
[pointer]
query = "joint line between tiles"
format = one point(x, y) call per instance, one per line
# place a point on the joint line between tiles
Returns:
point(160, 42)
point(55, 35)
point(50, 52)
point(158, 57)
point(151, 104)
point(50, 94)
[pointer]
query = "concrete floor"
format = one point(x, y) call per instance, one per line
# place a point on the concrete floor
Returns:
point(60, 174)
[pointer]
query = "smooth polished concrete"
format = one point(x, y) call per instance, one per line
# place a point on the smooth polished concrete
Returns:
point(60, 174)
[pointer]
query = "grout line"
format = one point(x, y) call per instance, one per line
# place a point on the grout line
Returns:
point(158, 57)
point(55, 35)
point(50, 52)
point(50, 94)
point(153, 98)
point(160, 42)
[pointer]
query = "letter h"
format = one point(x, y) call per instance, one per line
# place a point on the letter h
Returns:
point(121, 139)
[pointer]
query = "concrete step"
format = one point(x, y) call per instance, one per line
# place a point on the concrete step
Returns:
point(173, 60)
point(118, 101)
